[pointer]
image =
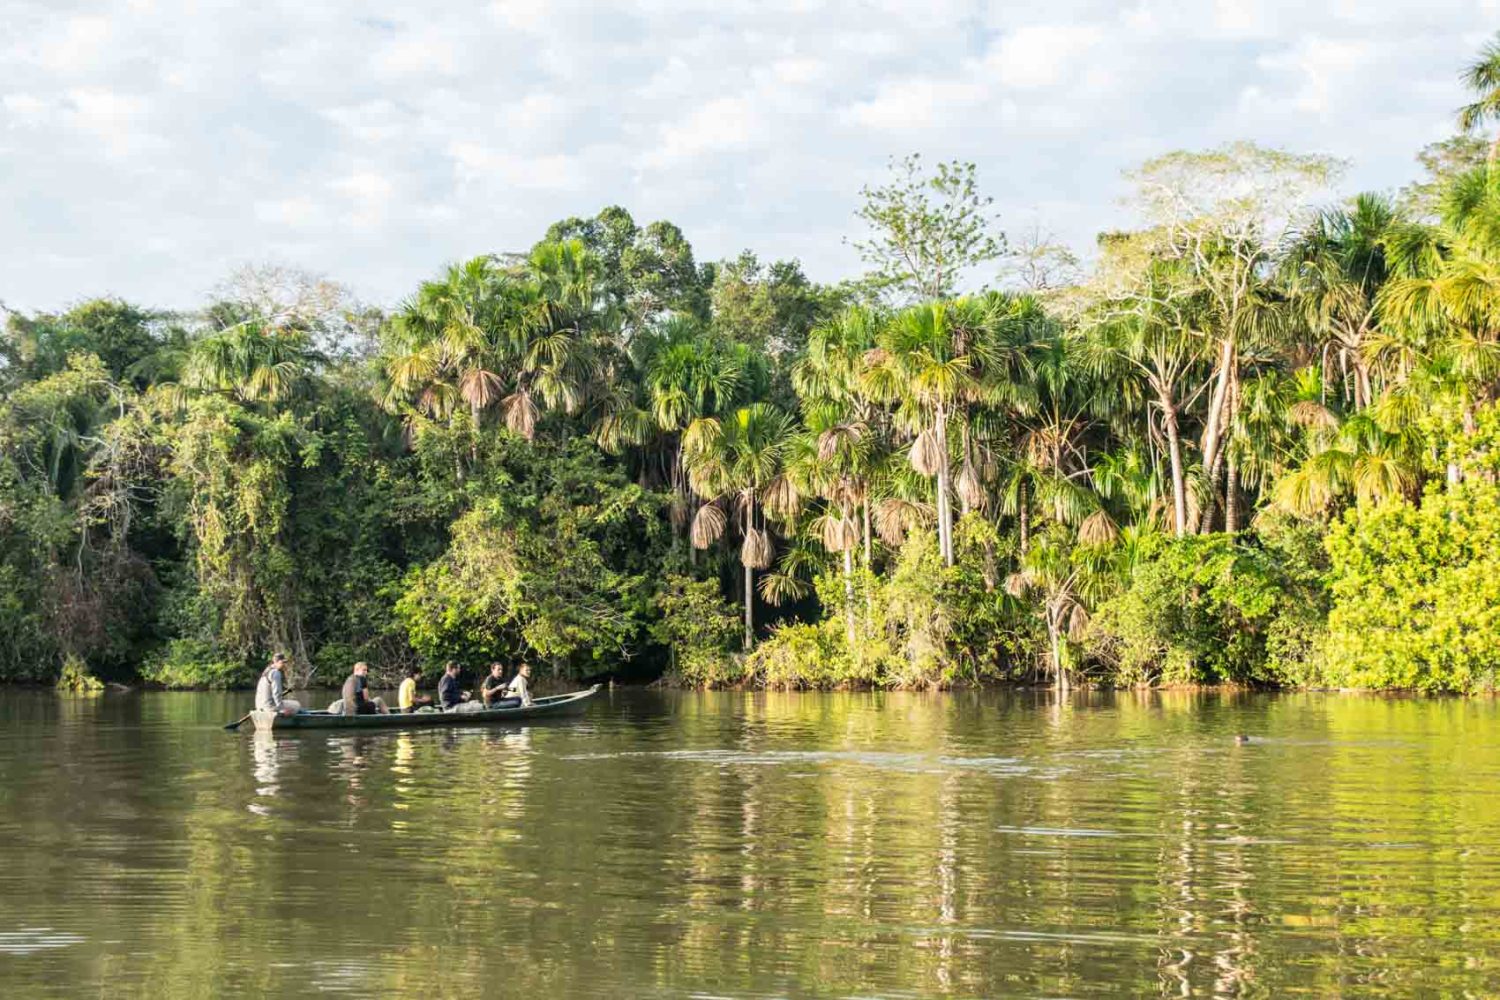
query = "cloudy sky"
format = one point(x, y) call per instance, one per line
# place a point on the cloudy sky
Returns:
point(147, 147)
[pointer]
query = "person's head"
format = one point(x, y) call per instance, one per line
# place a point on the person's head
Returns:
point(279, 660)
point(361, 668)
point(415, 673)
point(524, 670)
point(496, 670)
point(450, 668)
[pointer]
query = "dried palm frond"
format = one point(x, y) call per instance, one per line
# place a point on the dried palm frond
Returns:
point(1078, 623)
point(1017, 583)
point(830, 440)
point(520, 414)
point(757, 551)
point(969, 490)
point(1310, 414)
point(927, 453)
point(895, 517)
point(838, 533)
point(479, 388)
point(1098, 528)
point(781, 498)
point(708, 525)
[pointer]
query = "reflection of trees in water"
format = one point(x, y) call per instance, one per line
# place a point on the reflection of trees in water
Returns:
point(753, 844)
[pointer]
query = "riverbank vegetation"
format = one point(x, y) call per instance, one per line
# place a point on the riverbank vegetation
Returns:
point(1252, 441)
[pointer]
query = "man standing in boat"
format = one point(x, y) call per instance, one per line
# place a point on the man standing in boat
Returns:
point(270, 690)
point(357, 700)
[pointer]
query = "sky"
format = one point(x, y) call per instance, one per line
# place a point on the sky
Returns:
point(147, 149)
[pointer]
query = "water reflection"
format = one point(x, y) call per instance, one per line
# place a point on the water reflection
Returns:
point(755, 844)
point(265, 753)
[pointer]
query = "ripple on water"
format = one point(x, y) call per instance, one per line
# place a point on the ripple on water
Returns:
point(30, 940)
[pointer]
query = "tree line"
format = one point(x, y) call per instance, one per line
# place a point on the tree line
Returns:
point(1250, 441)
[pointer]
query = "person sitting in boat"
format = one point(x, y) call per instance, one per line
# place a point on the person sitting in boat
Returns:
point(450, 696)
point(357, 700)
point(520, 685)
point(270, 690)
point(406, 695)
point(493, 690)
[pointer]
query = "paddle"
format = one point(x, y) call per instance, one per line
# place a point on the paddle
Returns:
point(235, 725)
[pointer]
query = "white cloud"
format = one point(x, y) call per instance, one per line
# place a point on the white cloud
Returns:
point(79, 46)
point(1045, 55)
point(722, 125)
point(149, 146)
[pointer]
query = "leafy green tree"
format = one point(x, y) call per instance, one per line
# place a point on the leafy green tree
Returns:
point(770, 308)
point(644, 273)
point(1442, 161)
point(926, 231)
point(1414, 593)
point(699, 628)
point(1210, 609)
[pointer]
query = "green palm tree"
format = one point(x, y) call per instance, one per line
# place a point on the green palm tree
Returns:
point(1335, 268)
point(927, 361)
point(1482, 76)
point(251, 361)
point(1065, 578)
point(737, 464)
point(443, 348)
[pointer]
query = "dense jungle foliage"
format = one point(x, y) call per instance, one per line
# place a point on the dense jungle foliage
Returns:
point(1254, 441)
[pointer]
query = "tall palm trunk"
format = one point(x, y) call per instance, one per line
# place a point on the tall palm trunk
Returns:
point(749, 609)
point(1231, 496)
point(1174, 453)
point(944, 504)
point(1054, 639)
point(1023, 514)
point(1213, 431)
point(749, 580)
point(866, 515)
point(849, 595)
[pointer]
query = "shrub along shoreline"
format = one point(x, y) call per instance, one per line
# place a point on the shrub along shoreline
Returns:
point(1254, 442)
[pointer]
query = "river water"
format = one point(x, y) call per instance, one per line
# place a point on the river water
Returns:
point(758, 845)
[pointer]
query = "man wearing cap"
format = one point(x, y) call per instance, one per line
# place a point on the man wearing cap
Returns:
point(270, 690)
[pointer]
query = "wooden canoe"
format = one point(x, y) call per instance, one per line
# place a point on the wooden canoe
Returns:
point(556, 706)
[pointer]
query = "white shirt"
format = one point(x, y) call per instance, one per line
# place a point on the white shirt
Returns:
point(519, 689)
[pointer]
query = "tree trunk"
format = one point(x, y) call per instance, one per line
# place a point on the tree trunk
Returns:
point(869, 566)
point(1054, 638)
point(866, 513)
point(1231, 497)
point(1214, 430)
point(944, 506)
point(849, 595)
point(749, 582)
point(1174, 452)
point(749, 608)
point(1023, 514)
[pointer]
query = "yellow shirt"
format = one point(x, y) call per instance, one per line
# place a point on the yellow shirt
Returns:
point(407, 696)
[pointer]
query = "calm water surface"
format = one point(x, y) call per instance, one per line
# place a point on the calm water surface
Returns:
point(754, 845)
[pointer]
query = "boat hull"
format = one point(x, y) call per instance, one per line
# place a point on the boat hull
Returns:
point(556, 706)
